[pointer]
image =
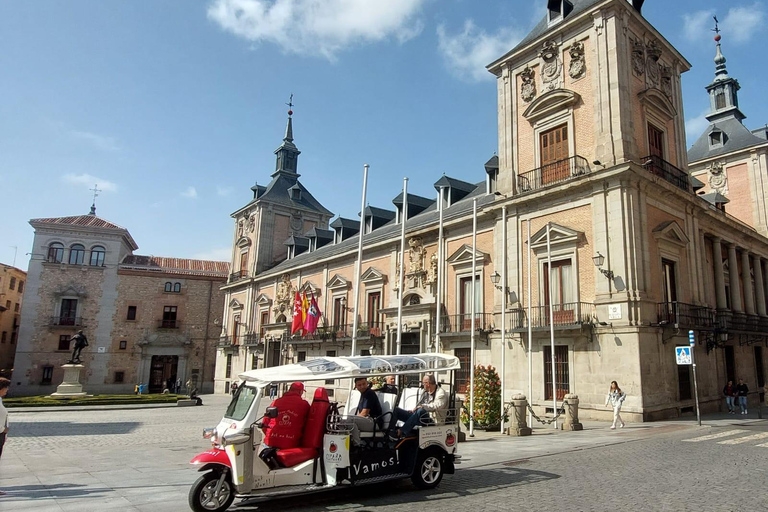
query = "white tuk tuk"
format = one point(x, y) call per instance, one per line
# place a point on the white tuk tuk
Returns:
point(233, 468)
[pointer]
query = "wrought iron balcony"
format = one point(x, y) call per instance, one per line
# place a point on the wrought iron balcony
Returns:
point(251, 339)
point(67, 321)
point(458, 324)
point(238, 276)
point(665, 170)
point(553, 173)
point(564, 316)
point(689, 316)
point(168, 324)
point(371, 330)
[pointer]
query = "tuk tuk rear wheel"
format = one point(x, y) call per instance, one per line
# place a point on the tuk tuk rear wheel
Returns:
point(201, 495)
point(429, 469)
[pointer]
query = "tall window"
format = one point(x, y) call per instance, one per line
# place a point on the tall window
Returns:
point(339, 312)
point(462, 375)
point(97, 256)
point(236, 330)
point(263, 320)
point(176, 287)
point(55, 253)
point(47, 375)
point(374, 305)
point(76, 254)
point(228, 372)
point(12, 284)
point(562, 374)
point(169, 286)
point(68, 312)
point(553, 149)
point(169, 317)
point(655, 141)
point(131, 313)
point(254, 361)
point(559, 288)
point(465, 301)
point(21, 286)
point(244, 264)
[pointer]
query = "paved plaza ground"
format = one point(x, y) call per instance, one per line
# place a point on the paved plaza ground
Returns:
point(104, 458)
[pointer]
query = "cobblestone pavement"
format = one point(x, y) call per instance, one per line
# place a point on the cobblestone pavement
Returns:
point(137, 460)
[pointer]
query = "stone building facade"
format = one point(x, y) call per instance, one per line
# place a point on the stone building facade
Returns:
point(12, 283)
point(148, 320)
point(624, 255)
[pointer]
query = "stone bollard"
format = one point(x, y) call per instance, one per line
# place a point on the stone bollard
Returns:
point(517, 414)
point(571, 404)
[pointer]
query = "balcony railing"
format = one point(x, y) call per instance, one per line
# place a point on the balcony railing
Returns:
point(456, 324)
point(69, 321)
point(551, 174)
point(237, 276)
point(251, 339)
point(680, 314)
point(371, 330)
point(168, 324)
point(568, 315)
point(665, 170)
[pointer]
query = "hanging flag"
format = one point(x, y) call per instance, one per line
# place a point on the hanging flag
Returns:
point(297, 324)
point(313, 317)
point(304, 309)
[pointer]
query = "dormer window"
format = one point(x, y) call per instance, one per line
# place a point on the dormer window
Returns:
point(295, 192)
point(557, 10)
point(716, 139)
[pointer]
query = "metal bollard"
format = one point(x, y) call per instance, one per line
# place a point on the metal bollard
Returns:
point(517, 421)
point(571, 403)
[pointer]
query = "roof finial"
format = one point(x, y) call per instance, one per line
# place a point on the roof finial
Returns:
point(96, 191)
point(290, 105)
point(720, 71)
point(716, 30)
point(289, 127)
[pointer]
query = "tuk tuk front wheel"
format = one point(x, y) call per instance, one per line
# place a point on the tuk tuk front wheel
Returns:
point(429, 469)
point(203, 496)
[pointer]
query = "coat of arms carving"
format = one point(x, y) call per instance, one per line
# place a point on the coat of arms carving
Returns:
point(653, 53)
point(284, 295)
point(416, 255)
point(718, 180)
point(432, 270)
point(578, 65)
point(551, 67)
point(665, 84)
point(638, 57)
point(528, 86)
point(252, 222)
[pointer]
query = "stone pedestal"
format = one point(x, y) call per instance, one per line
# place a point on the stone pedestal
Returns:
point(571, 404)
point(70, 386)
point(517, 417)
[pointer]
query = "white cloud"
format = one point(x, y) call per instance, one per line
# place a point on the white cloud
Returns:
point(190, 192)
point(215, 254)
point(695, 126)
point(318, 27)
point(467, 53)
point(223, 191)
point(89, 181)
point(738, 25)
point(99, 141)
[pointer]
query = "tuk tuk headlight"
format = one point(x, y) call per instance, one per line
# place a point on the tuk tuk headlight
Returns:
point(209, 433)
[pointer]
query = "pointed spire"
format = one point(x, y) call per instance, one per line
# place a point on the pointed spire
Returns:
point(723, 91)
point(287, 153)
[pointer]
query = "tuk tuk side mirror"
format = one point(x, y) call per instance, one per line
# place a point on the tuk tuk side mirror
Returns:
point(271, 412)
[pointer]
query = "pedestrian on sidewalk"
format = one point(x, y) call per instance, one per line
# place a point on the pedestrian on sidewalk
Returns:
point(616, 398)
point(741, 391)
point(4, 385)
point(730, 393)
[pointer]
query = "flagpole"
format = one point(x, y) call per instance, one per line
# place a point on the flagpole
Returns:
point(401, 283)
point(503, 310)
point(438, 293)
point(358, 263)
point(472, 332)
point(551, 324)
point(530, 327)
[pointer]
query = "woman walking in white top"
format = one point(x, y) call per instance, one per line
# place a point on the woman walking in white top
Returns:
point(615, 398)
point(4, 384)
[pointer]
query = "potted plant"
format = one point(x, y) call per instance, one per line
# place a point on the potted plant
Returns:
point(487, 400)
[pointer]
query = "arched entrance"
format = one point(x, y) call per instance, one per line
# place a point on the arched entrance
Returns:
point(163, 370)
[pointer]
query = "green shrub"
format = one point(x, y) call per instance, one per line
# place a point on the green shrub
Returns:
point(47, 401)
point(487, 405)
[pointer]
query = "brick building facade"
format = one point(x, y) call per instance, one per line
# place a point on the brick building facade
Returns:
point(12, 283)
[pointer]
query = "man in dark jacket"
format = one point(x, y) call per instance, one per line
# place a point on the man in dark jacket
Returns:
point(285, 430)
point(741, 391)
point(368, 409)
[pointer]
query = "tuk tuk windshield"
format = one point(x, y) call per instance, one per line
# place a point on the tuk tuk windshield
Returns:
point(241, 403)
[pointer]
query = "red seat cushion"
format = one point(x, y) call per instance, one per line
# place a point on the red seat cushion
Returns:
point(314, 428)
point(288, 457)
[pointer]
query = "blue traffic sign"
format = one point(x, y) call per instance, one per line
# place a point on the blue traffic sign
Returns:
point(683, 355)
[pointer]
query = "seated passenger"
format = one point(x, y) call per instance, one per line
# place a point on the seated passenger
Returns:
point(368, 408)
point(388, 386)
point(433, 404)
point(285, 430)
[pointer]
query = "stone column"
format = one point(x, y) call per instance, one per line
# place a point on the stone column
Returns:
point(733, 268)
point(757, 264)
point(746, 277)
point(571, 404)
point(717, 256)
point(517, 421)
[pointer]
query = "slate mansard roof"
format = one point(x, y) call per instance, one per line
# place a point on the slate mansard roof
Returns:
point(737, 137)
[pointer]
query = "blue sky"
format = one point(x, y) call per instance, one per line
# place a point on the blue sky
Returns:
point(175, 107)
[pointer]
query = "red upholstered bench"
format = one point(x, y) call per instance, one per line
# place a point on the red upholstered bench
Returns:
point(312, 437)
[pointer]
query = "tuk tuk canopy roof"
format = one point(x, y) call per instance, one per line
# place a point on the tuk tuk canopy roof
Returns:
point(326, 368)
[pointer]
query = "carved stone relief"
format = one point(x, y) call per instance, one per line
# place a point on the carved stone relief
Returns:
point(578, 66)
point(718, 181)
point(665, 84)
point(284, 296)
point(528, 86)
point(240, 227)
point(432, 271)
point(638, 57)
point(550, 66)
point(297, 223)
point(252, 222)
point(416, 255)
point(653, 53)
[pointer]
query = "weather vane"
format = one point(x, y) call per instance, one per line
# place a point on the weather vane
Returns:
point(716, 30)
point(95, 191)
point(290, 105)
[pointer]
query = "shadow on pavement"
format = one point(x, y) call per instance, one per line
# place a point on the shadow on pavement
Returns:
point(57, 491)
point(467, 482)
point(69, 428)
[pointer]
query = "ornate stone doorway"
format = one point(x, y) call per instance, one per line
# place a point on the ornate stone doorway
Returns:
point(163, 368)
